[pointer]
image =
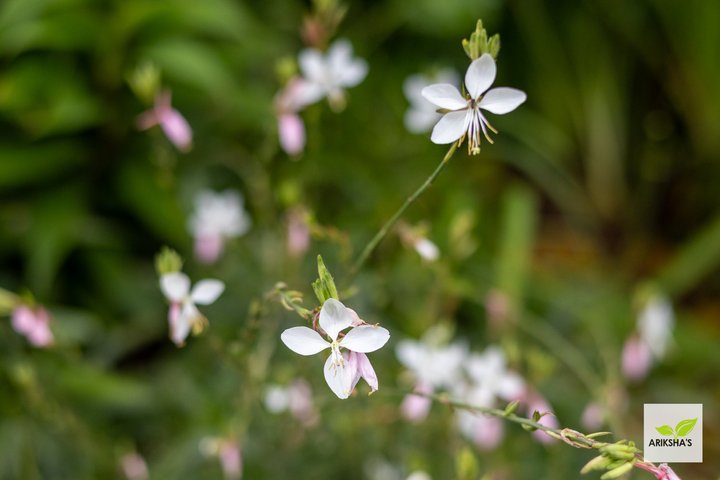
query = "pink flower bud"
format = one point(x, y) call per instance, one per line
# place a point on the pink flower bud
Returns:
point(298, 240)
point(231, 460)
point(489, 432)
point(636, 359)
point(415, 408)
point(593, 416)
point(208, 247)
point(173, 124)
point(291, 130)
point(134, 467)
point(34, 325)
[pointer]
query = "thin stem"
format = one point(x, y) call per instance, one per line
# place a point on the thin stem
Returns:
point(386, 227)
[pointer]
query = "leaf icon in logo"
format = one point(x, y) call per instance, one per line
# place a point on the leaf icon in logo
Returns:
point(684, 427)
point(665, 430)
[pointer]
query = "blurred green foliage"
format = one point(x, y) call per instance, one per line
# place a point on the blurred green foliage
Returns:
point(605, 181)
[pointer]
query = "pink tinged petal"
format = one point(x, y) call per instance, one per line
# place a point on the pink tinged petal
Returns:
point(363, 369)
point(338, 377)
point(488, 432)
point(23, 319)
point(208, 248)
point(177, 129)
point(451, 127)
point(480, 75)
point(147, 120)
point(502, 100)
point(365, 339)
point(206, 292)
point(41, 336)
point(444, 95)
point(292, 133)
point(180, 325)
point(334, 317)
point(175, 286)
point(636, 359)
point(304, 341)
point(308, 93)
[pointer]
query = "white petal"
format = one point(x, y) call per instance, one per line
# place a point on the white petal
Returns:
point(411, 354)
point(510, 387)
point(444, 95)
point(206, 292)
point(312, 64)
point(353, 73)
point(308, 93)
point(480, 75)
point(451, 127)
point(180, 328)
point(334, 317)
point(303, 340)
point(346, 70)
point(420, 121)
point(339, 378)
point(502, 100)
point(367, 338)
point(175, 286)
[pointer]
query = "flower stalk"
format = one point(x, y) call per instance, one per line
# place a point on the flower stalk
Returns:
point(382, 233)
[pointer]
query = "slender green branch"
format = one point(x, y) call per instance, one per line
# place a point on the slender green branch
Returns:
point(388, 225)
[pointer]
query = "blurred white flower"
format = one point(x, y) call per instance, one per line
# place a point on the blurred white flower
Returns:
point(328, 74)
point(227, 451)
point(434, 366)
point(655, 325)
point(650, 343)
point(491, 379)
point(463, 115)
point(343, 369)
point(419, 475)
point(536, 403)
point(184, 315)
point(296, 397)
point(34, 324)
point(422, 115)
point(217, 216)
point(173, 124)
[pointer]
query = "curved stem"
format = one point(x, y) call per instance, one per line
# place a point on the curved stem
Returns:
point(386, 227)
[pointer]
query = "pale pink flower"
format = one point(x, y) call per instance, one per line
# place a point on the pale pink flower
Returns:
point(230, 459)
point(298, 233)
point(537, 403)
point(173, 124)
point(218, 216)
point(484, 431)
point(463, 117)
point(415, 408)
point(34, 324)
point(134, 467)
point(593, 416)
point(636, 358)
point(342, 369)
point(297, 398)
point(184, 315)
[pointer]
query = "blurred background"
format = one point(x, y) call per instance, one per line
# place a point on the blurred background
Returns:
point(601, 188)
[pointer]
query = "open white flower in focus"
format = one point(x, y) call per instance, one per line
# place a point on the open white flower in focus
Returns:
point(347, 362)
point(462, 115)
point(328, 74)
point(184, 315)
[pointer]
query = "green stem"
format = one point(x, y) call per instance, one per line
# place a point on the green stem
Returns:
point(386, 227)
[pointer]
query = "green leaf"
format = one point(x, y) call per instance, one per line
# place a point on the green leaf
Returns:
point(684, 427)
point(665, 430)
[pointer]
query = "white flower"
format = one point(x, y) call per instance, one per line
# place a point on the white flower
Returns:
point(463, 115)
point(422, 115)
point(217, 216)
point(427, 249)
point(655, 324)
point(184, 315)
point(491, 378)
point(342, 369)
point(433, 366)
point(326, 75)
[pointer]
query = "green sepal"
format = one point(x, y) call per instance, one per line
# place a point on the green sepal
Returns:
point(324, 287)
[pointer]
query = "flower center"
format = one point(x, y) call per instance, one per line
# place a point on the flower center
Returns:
point(338, 360)
point(478, 125)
